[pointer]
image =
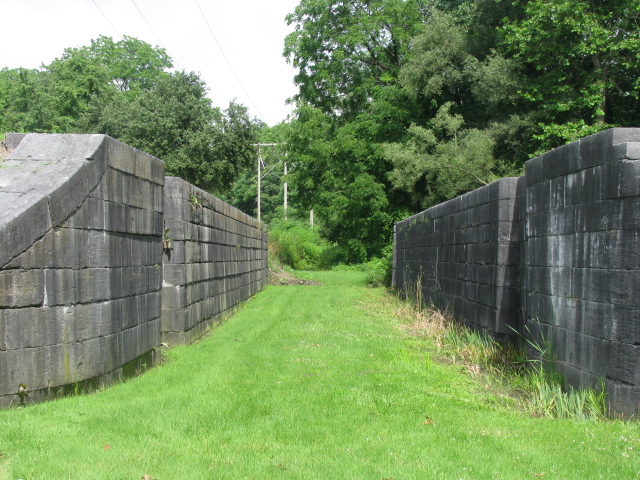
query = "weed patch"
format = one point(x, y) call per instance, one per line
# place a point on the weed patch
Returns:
point(532, 383)
point(295, 244)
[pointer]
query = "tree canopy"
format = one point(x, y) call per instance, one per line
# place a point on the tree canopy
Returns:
point(344, 51)
point(125, 89)
point(404, 104)
point(581, 59)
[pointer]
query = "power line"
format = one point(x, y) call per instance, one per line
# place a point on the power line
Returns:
point(154, 32)
point(107, 19)
point(229, 63)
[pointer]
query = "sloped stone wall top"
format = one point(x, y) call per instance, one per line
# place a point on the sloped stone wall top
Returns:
point(42, 181)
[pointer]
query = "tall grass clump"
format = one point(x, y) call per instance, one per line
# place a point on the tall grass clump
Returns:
point(533, 381)
point(296, 244)
point(548, 397)
point(551, 400)
point(477, 351)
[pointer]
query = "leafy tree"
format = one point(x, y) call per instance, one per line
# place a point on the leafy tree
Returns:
point(129, 65)
point(174, 121)
point(133, 65)
point(471, 105)
point(335, 177)
point(434, 171)
point(349, 55)
point(76, 81)
point(68, 94)
point(28, 102)
point(106, 72)
point(344, 51)
point(582, 64)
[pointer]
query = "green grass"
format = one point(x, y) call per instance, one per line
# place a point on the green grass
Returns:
point(307, 383)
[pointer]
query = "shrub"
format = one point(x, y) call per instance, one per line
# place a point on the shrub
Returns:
point(296, 244)
point(379, 269)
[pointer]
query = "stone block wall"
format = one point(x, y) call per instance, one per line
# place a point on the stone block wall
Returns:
point(83, 300)
point(465, 252)
point(569, 262)
point(80, 262)
point(217, 260)
point(581, 262)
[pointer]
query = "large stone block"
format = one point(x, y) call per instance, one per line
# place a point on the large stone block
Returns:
point(23, 219)
point(59, 248)
point(134, 162)
point(21, 288)
point(624, 398)
point(174, 297)
point(28, 366)
point(174, 319)
point(174, 274)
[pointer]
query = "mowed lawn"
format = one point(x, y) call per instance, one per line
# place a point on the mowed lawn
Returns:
point(307, 382)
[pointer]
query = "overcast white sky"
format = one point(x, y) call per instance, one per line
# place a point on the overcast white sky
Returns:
point(250, 32)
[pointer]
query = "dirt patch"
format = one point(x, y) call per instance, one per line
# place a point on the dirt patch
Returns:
point(282, 277)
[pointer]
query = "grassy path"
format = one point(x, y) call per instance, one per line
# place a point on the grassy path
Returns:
point(306, 383)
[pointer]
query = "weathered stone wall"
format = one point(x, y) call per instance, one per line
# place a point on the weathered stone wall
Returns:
point(217, 260)
point(578, 274)
point(80, 262)
point(581, 262)
point(465, 253)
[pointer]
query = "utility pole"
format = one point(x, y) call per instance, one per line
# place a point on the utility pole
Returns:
point(260, 162)
point(285, 190)
point(259, 179)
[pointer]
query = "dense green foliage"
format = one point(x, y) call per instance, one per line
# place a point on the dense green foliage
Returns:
point(296, 244)
point(404, 104)
point(582, 64)
point(349, 56)
point(125, 89)
point(308, 382)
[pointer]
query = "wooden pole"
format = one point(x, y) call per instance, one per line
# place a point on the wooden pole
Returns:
point(259, 145)
point(285, 190)
point(259, 180)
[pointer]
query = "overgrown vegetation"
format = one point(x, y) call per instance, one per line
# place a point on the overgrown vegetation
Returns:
point(533, 383)
point(296, 244)
point(378, 270)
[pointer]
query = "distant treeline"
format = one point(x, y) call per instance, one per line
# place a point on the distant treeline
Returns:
point(126, 89)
